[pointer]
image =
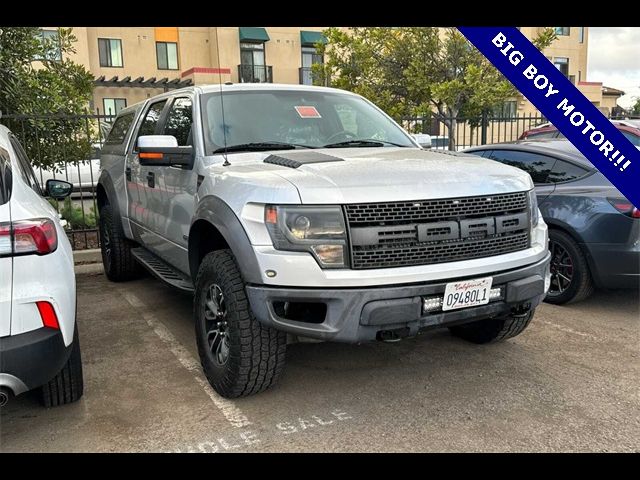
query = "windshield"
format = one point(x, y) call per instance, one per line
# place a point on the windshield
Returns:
point(302, 118)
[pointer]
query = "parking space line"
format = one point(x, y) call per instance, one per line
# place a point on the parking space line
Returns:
point(230, 411)
point(568, 330)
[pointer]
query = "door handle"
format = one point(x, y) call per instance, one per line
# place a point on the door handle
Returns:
point(151, 179)
point(127, 173)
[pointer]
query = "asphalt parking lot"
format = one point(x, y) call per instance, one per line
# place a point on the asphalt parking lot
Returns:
point(570, 382)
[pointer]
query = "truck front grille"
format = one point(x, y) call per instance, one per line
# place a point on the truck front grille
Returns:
point(398, 234)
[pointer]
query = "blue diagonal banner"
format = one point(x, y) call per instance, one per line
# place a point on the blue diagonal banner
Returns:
point(562, 103)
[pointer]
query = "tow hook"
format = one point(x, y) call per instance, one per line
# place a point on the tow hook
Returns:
point(392, 336)
point(521, 311)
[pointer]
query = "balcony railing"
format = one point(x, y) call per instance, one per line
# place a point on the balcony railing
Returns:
point(255, 73)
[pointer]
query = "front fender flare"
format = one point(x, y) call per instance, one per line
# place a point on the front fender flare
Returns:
point(218, 213)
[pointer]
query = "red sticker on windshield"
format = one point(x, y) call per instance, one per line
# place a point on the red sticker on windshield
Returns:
point(307, 112)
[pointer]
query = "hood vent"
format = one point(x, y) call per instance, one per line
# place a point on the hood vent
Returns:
point(297, 159)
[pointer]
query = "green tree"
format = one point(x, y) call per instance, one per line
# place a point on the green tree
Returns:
point(635, 108)
point(38, 79)
point(410, 71)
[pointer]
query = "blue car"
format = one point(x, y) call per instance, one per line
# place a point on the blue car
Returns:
point(594, 231)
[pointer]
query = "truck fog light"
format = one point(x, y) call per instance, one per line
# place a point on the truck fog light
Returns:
point(495, 293)
point(329, 254)
point(431, 304)
point(270, 273)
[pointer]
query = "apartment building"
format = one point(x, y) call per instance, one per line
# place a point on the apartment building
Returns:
point(569, 54)
point(131, 64)
point(134, 63)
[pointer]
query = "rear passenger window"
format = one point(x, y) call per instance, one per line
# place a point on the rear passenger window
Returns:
point(536, 165)
point(179, 121)
point(25, 167)
point(542, 135)
point(564, 171)
point(120, 129)
point(634, 139)
point(480, 153)
point(150, 121)
point(5, 177)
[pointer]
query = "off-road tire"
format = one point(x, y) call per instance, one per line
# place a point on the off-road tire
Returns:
point(68, 385)
point(493, 329)
point(581, 285)
point(256, 353)
point(117, 259)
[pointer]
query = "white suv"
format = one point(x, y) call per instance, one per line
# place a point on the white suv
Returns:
point(39, 345)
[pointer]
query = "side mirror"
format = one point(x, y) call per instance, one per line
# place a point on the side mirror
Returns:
point(163, 151)
point(423, 140)
point(58, 189)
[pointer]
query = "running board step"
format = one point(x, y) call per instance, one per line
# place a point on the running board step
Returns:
point(162, 270)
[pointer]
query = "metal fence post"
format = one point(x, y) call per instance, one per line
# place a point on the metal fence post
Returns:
point(483, 128)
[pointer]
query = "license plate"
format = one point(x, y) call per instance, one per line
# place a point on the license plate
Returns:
point(467, 293)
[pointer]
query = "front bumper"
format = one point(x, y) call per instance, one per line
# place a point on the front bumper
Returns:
point(359, 314)
point(31, 359)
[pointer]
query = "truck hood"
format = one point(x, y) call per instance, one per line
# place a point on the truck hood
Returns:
point(395, 174)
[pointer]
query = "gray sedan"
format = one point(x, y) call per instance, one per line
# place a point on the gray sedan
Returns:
point(594, 231)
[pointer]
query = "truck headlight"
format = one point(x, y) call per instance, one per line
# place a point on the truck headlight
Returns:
point(318, 230)
point(533, 208)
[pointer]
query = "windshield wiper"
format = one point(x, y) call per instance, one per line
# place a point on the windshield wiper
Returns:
point(259, 146)
point(364, 142)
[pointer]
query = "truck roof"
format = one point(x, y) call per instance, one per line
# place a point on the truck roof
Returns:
point(234, 87)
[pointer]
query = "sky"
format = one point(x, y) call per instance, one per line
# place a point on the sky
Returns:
point(614, 60)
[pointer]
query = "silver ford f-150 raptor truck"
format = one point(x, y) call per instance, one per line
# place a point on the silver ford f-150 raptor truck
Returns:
point(293, 211)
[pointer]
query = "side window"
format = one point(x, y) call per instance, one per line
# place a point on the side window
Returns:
point(151, 119)
point(120, 129)
point(179, 121)
point(564, 171)
point(552, 134)
point(25, 167)
point(634, 139)
point(5, 177)
point(538, 166)
point(478, 153)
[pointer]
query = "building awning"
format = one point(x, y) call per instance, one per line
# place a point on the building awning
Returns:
point(253, 34)
point(141, 82)
point(309, 39)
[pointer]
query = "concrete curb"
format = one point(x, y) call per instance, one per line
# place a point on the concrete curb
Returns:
point(88, 262)
point(87, 256)
point(89, 269)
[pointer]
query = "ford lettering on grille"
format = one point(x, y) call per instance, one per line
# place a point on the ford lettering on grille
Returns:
point(435, 231)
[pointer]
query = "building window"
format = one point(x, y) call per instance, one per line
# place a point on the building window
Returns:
point(562, 64)
point(252, 63)
point(581, 35)
point(112, 106)
point(110, 52)
point(167, 55)
point(310, 57)
point(507, 110)
point(562, 31)
point(50, 42)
